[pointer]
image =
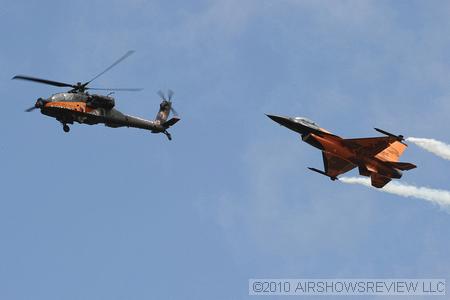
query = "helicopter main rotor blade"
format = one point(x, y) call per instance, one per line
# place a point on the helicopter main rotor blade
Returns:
point(116, 89)
point(111, 66)
point(30, 109)
point(44, 81)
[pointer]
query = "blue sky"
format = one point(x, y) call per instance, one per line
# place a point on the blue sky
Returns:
point(105, 213)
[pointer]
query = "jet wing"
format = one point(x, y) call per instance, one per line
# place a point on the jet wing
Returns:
point(334, 165)
point(385, 148)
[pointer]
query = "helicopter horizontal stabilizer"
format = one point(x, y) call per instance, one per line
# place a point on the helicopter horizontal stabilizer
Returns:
point(171, 122)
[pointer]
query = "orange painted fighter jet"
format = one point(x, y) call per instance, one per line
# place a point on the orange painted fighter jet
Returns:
point(375, 157)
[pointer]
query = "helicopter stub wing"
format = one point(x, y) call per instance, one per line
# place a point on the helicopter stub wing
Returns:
point(70, 112)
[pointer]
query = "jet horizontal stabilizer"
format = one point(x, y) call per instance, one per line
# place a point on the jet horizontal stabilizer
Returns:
point(323, 173)
point(401, 165)
point(398, 137)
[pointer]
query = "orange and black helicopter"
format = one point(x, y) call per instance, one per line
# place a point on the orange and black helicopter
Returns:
point(375, 157)
point(77, 105)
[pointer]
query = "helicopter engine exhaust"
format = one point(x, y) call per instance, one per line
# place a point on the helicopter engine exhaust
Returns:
point(101, 101)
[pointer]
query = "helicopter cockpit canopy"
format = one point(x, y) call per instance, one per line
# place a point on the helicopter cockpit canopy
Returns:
point(67, 97)
point(59, 97)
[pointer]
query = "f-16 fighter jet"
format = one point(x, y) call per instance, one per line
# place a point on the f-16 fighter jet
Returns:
point(375, 157)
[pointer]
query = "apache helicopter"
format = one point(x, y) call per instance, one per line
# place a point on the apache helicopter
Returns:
point(77, 105)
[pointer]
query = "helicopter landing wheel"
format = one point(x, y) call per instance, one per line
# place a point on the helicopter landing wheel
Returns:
point(66, 128)
point(169, 136)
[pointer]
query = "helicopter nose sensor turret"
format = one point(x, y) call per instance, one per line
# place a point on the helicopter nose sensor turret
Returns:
point(40, 102)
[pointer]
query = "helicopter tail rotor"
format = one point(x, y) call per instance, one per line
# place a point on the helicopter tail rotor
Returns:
point(165, 108)
point(167, 101)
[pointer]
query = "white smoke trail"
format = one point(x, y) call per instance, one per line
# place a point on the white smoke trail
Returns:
point(439, 197)
point(439, 148)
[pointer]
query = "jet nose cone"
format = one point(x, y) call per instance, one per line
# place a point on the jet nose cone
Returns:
point(279, 119)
